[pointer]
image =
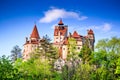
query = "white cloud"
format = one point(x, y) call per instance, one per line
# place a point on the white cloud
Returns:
point(55, 13)
point(104, 27)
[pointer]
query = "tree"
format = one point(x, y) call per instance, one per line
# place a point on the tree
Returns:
point(83, 72)
point(117, 72)
point(109, 45)
point(72, 54)
point(16, 53)
point(34, 69)
point(7, 71)
point(41, 60)
point(106, 57)
point(85, 52)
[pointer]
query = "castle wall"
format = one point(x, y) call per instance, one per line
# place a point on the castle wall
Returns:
point(64, 51)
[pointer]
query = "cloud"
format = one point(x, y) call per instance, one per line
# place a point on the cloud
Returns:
point(104, 27)
point(55, 13)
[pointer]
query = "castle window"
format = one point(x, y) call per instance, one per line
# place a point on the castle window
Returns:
point(60, 33)
point(62, 28)
point(78, 47)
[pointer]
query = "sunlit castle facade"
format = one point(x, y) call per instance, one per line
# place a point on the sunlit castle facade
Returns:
point(60, 40)
point(31, 44)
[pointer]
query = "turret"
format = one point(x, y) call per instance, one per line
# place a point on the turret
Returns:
point(31, 44)
point(91, 37)
point(60, 32)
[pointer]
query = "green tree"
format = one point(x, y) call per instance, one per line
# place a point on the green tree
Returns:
point(34, 69)
point(106, 57)
point(109, 45)
point(83, 72)
point(117, 72)
point(85, 52)
point(16, 53)
point(7, 71)
point(72, 54)
point(40, 65)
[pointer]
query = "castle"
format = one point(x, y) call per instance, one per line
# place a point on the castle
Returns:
point(60, 40)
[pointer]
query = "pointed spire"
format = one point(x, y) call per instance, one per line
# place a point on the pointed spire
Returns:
point(60, 22)
point(35, 33)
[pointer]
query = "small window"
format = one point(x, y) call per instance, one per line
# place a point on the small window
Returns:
point(60, 33)
point(56, 37)
point(63, 48)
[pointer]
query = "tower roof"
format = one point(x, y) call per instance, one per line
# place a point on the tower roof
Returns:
point(35, 33)
point(75, 34)
point(60, 22)
point(90, 31)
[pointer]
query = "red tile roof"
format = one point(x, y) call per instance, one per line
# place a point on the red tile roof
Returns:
point(61, 30)
point(60, 22)
point(32, 42)
point(35, 33)
point(75, 34)
point(90, 31)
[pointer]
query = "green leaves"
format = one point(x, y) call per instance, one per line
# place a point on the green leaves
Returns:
point(7, 71)
point(104, 64)
point(16, 53)
point(85, 52)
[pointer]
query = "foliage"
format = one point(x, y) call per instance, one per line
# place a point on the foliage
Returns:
point(104, 64)
point(16, 53)
point(7, 71)
point(83, 72)
point(72, 54)
point(34, 69)
point(85, 52)
point(111, 45)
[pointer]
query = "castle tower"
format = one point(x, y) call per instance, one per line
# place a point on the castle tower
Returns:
point(60, 33)
point(91, 37)
point(31, 44)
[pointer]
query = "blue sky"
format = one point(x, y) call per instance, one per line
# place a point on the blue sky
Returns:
point(17, 18)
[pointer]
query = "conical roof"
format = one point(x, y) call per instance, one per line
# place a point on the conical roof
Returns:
point(35, 33)
point(90, 31)
point(60, 22)
point(75, 34)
